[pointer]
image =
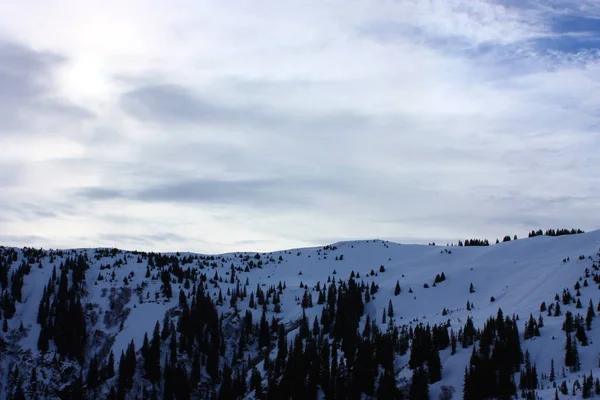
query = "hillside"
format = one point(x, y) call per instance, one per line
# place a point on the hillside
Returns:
point(94, 301)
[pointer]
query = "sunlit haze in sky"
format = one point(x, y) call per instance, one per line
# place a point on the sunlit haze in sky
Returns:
point(217, 126)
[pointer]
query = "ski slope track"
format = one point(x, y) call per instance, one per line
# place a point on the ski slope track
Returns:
point(519, 275)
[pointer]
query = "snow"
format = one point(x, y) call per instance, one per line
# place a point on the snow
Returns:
point(519, 274)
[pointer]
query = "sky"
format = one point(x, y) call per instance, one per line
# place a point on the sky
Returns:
point(215, 126)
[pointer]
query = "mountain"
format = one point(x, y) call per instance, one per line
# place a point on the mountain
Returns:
point(361, 319)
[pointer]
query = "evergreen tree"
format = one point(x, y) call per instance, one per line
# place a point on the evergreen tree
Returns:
point(92, 376)
point(264, 337)
point(571, 354)
point(256, 383)
point(434, 366)
point(390, 310)
point(19, 394)
point(581, 335)
point(152, 358)
point(386, 389)
point(110, 366)
point(590, 316)
point(419, 386)
point(468, 385)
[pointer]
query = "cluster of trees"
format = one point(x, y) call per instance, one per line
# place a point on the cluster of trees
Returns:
point(195, 347)
point(344, 366)
point(534, 233)
point(555, 232)
point(590, 386)
point(474, 242)
point(532, 327)
point(506, 239)
point(343, 354)
point(12, 286)
point(60, 313)
point(561, 232)
point(439, 278)
point(424, 351)
point(491, 369)
point(528, 380)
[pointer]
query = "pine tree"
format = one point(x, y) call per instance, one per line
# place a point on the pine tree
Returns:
point(563, 388)
point(263, 335)
point(33, 382)
point(19, 394)
point(92, 376)
point(152, 359)
point(468, 387)
point(581, 335)
point(173, 349)
point(453, 342)
point(386, 389)
point(571, 354)
point(42, 343)
point(168, 378)
point(590, 316)
point(419, 386)
point(110, 365)
point(165, 330)
point(434, 366)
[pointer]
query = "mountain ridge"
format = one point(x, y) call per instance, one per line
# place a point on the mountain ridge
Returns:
point(515, 276)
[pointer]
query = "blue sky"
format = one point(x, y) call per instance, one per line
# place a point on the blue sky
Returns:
point(221, 126)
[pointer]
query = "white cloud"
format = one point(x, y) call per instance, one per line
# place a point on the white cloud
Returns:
point(408, 119)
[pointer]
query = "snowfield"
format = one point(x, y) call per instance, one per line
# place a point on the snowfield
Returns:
point(519, 275)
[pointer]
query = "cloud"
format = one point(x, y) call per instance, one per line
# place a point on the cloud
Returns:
point(174, 104)
point(116, 239)
point(282, 125)
point(16, 240)
point(28, 92)
point(95, 193)
point(288, 192)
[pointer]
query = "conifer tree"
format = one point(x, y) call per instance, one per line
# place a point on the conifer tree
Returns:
point(390, 310)
point(590, 316)
point(263, 334)
point(386, 389)
point(419, 386)
point(581, 335)
point(92, 376)
point(571, 354)
point(110, 365)
point(19, 394)
point(152, 358)
point(434, 366)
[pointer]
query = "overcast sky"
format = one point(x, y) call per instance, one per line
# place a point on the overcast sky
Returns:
point(217, 126)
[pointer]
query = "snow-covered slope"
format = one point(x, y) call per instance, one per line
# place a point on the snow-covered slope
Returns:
point(519, 275)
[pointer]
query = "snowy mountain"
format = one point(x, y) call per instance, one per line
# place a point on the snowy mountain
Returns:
point(362, 319)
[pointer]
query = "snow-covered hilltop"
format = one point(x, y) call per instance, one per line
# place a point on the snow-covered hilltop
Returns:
point(370, 319)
